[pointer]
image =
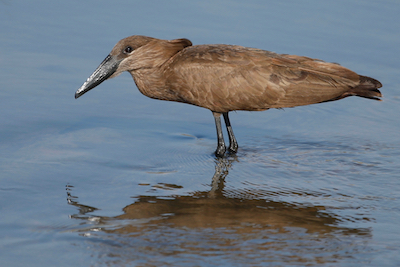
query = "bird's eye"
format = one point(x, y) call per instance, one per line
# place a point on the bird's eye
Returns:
point(128, 50)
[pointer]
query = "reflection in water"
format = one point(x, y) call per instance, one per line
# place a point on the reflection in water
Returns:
point(209, 227)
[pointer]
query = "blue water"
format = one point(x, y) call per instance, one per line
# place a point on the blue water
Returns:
point(118, 179)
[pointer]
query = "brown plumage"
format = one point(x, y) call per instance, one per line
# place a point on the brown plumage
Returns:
point(224, 78)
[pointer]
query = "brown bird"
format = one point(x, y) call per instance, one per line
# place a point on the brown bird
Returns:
point(224, 78)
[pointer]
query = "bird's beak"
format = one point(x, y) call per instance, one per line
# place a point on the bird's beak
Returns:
point(103, 72)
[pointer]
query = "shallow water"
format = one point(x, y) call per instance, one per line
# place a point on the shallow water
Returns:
point(117, 179)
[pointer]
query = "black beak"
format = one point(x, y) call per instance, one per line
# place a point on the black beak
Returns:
point(102, 73)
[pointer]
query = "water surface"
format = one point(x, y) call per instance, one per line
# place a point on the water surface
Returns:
point(118, 179)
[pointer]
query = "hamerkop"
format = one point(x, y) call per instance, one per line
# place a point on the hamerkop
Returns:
point(224, 78)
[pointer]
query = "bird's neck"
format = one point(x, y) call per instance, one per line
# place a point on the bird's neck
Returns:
point(151, 83)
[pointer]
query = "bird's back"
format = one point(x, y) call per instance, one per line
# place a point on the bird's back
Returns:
point(223, 78)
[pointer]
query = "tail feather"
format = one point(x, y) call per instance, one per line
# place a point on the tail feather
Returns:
point(367, 88)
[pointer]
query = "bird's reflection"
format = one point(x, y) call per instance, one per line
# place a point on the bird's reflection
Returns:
point(222, 166)
point(214, 209)
point(270, 224)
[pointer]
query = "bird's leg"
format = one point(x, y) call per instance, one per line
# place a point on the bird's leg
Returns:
point(233, 145)
point(221, 143)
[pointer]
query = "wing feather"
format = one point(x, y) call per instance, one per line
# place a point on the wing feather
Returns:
point(224, 78)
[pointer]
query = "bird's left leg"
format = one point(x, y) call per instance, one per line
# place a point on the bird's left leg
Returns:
point(233, 145)
point(221, 143)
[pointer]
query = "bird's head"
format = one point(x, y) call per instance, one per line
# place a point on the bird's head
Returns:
point(130, 54)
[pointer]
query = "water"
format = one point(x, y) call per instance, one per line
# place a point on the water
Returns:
point(117, 179)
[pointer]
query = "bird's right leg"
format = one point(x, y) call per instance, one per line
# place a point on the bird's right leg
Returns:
point(221, 143)
point(233, 144)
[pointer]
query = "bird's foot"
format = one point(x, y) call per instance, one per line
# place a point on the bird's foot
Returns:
point(233, 148)
point(220, 152)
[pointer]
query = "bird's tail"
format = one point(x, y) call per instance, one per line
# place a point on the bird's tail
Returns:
point(367, 88)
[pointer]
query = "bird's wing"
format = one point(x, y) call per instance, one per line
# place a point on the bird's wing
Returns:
point(224, 78)
point(308, 81)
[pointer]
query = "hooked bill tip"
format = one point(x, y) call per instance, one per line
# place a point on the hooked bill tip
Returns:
point(83, 89)
point(79, 92)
